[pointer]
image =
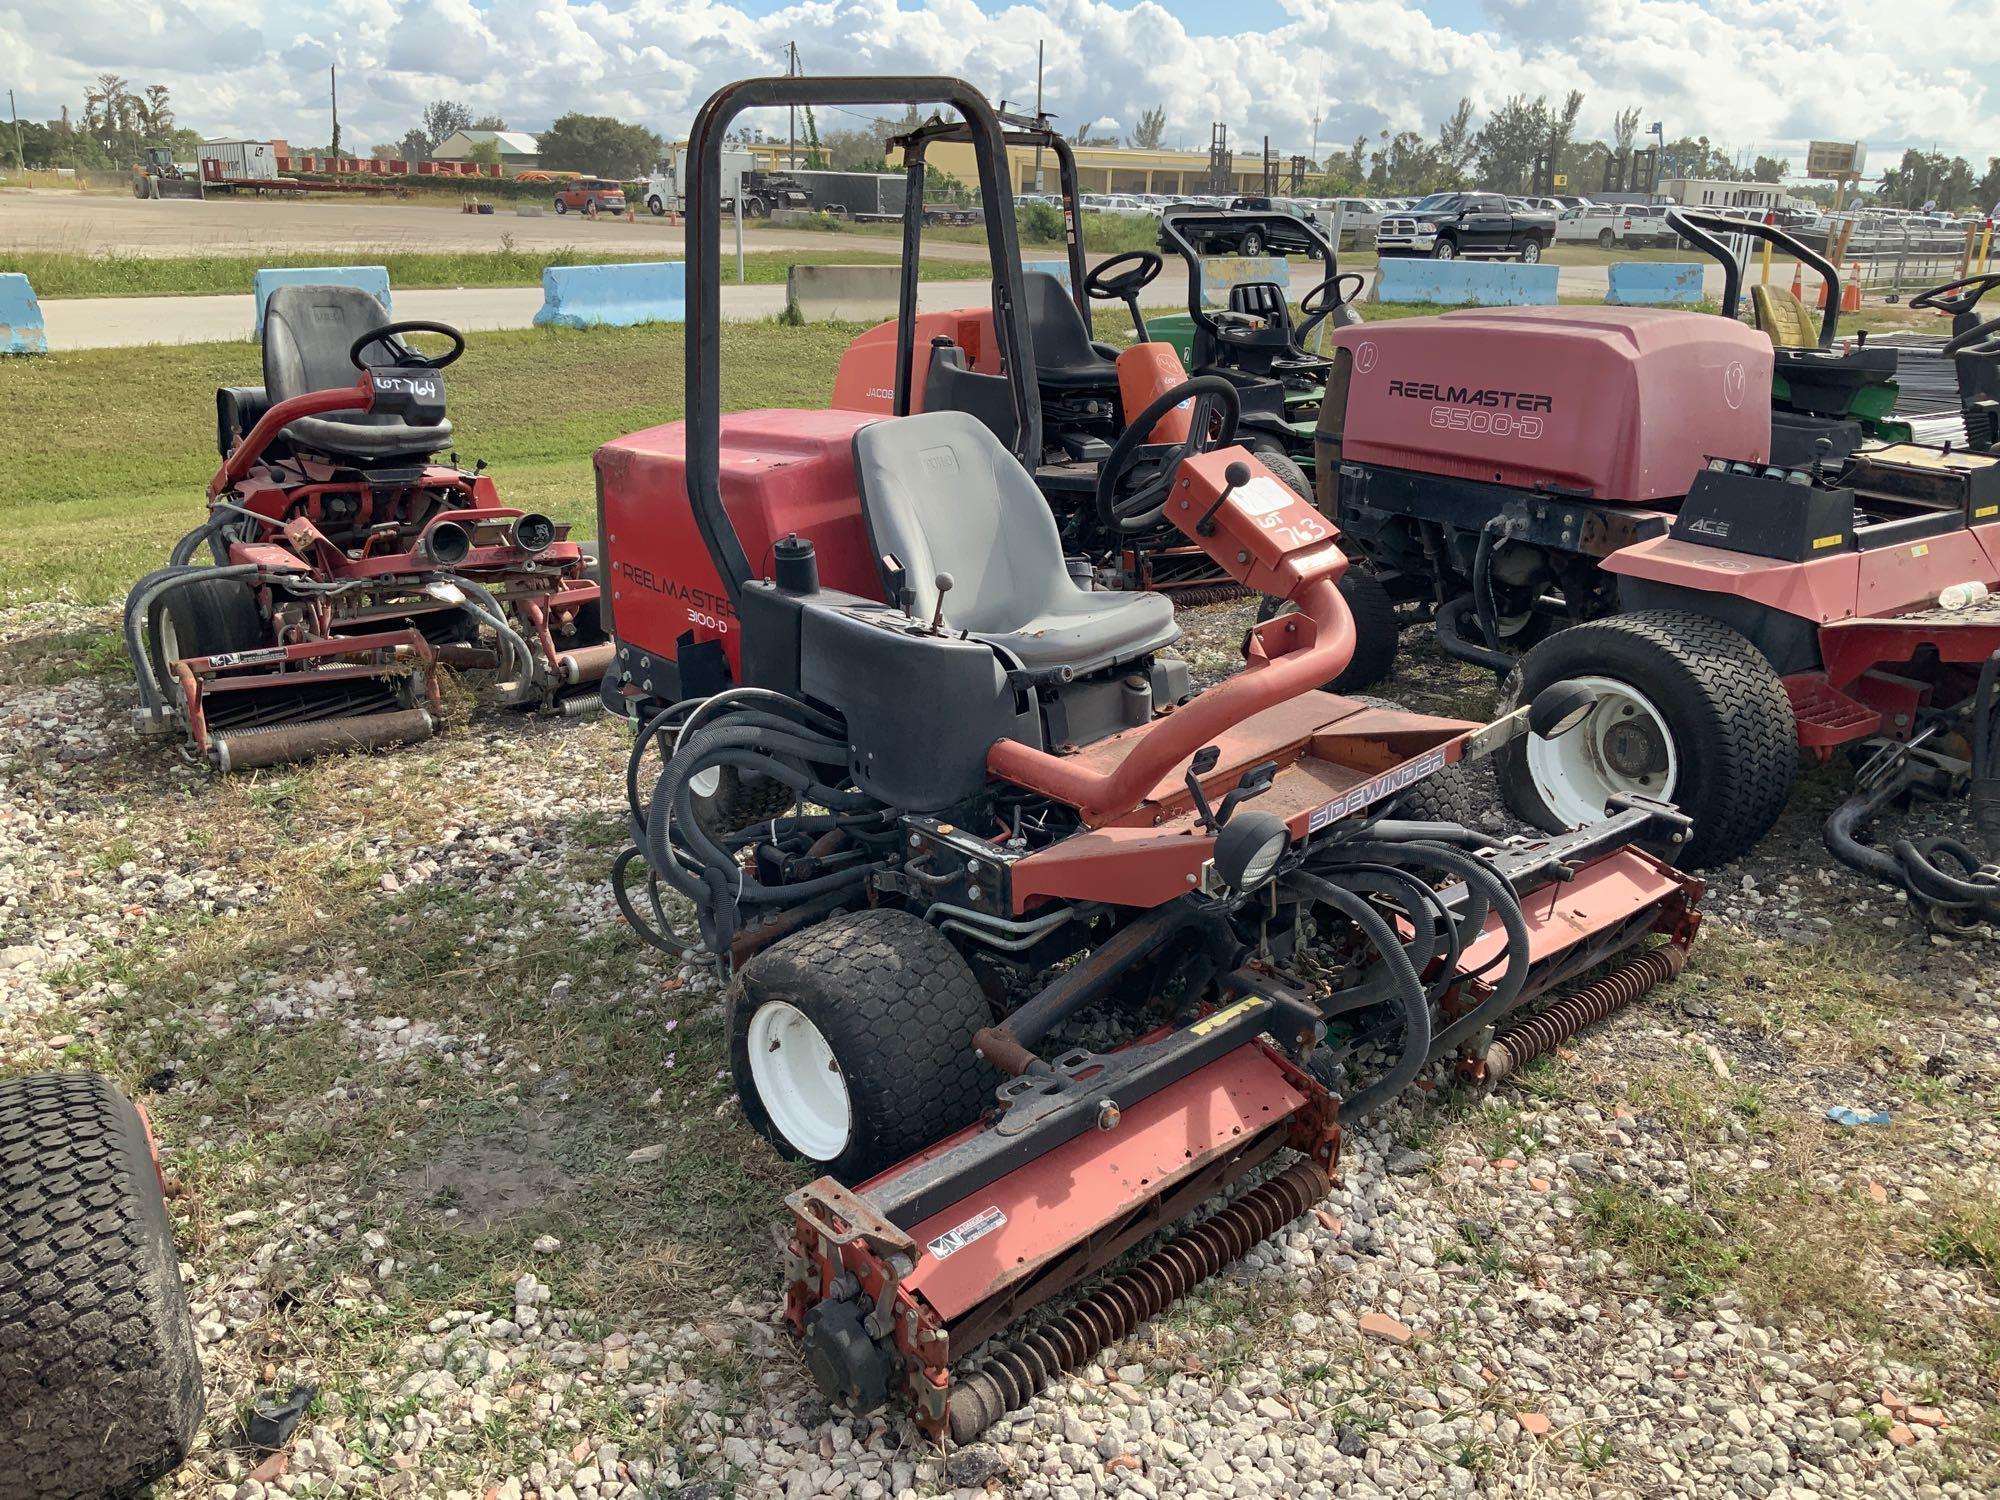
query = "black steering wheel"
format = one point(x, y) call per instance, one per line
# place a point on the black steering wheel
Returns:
point(1324, 300)
point(405, 355)
point(1125, 285)
point(1212, 424)
point(1956, 297)
point(1981, 341)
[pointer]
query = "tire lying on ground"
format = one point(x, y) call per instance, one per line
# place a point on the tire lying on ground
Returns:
point(1689, 712)
point(851, 1042)
point(207, 617)
point(100, 1387)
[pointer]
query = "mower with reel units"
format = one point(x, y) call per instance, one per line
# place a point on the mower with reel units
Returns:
point(1587, 495)
point(345, 565)
point(974, 806)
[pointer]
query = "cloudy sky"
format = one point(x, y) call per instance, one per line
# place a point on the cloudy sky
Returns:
point(1921, 72)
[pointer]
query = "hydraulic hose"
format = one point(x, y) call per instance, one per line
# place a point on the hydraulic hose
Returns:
point(1406, 989)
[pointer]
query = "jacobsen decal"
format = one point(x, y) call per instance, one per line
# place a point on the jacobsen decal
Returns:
point(1374, 790)
point(959, 1236)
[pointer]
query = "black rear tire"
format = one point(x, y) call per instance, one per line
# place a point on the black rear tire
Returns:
point(740, 798)
point(1377, 632)
point(1442, 797)
point(208, 617)
point(1731, 725)
point(100, 1386)
point(898, 1006)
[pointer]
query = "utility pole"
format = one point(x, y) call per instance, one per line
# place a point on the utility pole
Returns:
point(792, 111)
point(1038, 116)
point(1315, 153)
point(20, 156)
point(333, 95)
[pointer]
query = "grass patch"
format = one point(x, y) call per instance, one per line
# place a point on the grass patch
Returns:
point(1660, 1239)
point(62, 273)
point(89, 505)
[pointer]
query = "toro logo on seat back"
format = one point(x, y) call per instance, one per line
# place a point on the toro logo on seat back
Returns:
point(1483, 409)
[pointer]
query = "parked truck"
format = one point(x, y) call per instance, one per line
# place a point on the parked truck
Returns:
point(1446, 226)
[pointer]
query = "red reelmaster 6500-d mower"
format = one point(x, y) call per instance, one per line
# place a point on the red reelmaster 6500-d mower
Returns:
point(346, 564)
point(930, 798)
point(1589, 495)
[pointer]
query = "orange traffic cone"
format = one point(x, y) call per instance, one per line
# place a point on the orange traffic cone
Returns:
point(1850, 295)
point(1798, 282)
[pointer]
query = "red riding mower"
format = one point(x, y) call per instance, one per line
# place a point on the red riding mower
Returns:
point(346, 564)
point(1609, 470)
point(985, 803)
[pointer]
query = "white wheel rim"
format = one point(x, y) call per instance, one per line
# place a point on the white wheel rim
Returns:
point(799, 1081)
point(1577, 773)
point(170, 639)
point(706, 782)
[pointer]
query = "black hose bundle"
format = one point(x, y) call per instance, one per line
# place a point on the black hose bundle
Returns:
point(1953, 889)
point(773, 737)
point(1392, 871)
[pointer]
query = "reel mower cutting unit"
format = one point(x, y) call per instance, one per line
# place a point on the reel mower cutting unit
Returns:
point(346, 565)
point(936, 803)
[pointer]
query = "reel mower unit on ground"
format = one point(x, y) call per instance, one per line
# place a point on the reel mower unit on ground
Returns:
point(970, 806)
point(347, 565)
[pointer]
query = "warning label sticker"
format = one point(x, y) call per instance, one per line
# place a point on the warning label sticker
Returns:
point(959, 1236)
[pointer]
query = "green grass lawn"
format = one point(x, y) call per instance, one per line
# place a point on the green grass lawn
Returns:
point(88, 503)
point(59, 273)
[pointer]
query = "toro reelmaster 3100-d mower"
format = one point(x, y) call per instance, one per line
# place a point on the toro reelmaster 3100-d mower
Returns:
point(966, 801)
point(347, 564)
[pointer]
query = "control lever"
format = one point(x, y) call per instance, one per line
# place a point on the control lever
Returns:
point(943, 583)
point(1256, 781)
point(1021, 679)
point(1206, 759)
point(1234, 478)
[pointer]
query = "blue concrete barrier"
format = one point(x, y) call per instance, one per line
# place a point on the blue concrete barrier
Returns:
point(1219, 273)
point(1644, 283)
point(1056, 268)
point(21, 330)
point(614, 296)
point(371, 279)
point(1465, 283)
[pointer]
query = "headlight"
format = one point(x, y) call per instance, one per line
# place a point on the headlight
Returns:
point(1248, 848)
point(1427, 223)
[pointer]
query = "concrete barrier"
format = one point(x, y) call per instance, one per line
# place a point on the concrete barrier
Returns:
point(1642, 283)
point(846, 294)
point(1056, 268)
point(1219, 273)
point(614, 296)
point(371, 279)
point(21, 330)
point(1466, 283)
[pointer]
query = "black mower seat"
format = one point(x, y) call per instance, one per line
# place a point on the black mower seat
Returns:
point(1065, 357)
point(1266, 300)
point(941, 494)
point(307, 333)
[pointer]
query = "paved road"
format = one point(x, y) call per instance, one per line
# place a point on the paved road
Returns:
point(118, 322)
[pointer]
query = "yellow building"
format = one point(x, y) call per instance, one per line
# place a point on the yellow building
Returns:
point(1113, 169)
point(1099, 169)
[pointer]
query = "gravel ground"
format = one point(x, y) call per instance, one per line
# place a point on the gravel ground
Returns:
point(446, 1145)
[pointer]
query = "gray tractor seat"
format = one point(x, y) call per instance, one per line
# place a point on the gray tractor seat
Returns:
point(1065, 357)
point(307, 333)
point(941, 494)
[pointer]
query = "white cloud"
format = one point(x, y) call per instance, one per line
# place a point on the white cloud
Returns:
point(1763, 74)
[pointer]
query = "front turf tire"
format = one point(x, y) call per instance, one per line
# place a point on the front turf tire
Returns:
point(1730, 731)
point(896, 1006)
point(100, 1386)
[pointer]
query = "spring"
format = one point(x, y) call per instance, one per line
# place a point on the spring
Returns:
point(1547, 1029)
point(1013, 1376)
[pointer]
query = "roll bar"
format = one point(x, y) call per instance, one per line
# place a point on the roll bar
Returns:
point(1028, 131)
point(1173, 237)
point(1699, 227)
point(704, 268)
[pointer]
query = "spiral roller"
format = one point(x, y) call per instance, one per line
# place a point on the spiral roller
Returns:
point(1013, 1376)
point(1547, 1029)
